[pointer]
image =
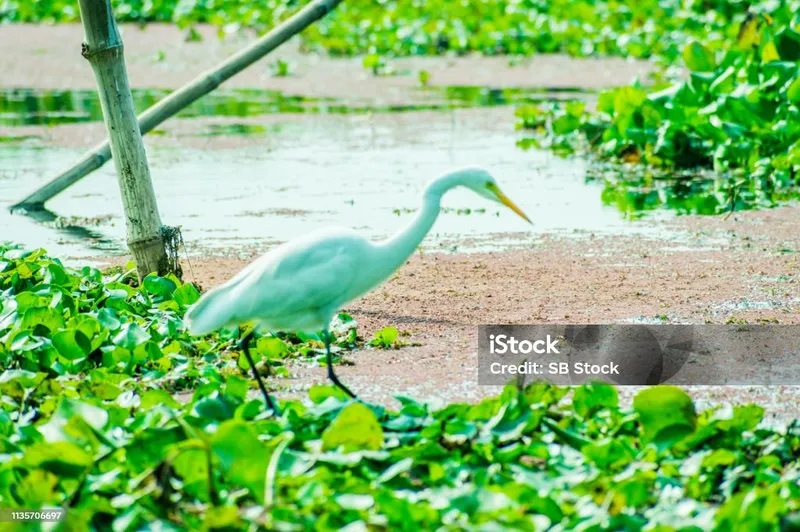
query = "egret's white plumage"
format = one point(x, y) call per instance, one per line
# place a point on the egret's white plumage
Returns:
point(296, 287)
point(301, 285)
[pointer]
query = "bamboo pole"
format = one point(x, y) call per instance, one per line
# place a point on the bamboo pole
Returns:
point(192, 91)
point(102, 47)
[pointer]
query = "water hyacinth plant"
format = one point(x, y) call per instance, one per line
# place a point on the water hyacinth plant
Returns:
point(629, 28)
point(77, 431)
point(734, 120)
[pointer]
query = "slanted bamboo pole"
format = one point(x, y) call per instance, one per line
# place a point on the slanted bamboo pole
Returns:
point(103, 48)
point(192, 91)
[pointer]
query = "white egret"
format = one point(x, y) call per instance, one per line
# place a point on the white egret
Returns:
point(301, 285)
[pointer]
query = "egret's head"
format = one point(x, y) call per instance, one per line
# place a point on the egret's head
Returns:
point(482, 183)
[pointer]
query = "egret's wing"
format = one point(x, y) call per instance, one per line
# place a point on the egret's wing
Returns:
point(302, 279)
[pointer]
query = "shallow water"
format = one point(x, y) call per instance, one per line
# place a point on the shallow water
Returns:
point(22, 106)
point(365, 172)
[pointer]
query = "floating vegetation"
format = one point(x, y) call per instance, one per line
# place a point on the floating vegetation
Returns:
point(461, 211)
point(734, 123)
point(112, 412)
point(216, 130)
point(67, 322)
point(629, 28)
point(20, 107)
point(19, 139)
point(83, 221)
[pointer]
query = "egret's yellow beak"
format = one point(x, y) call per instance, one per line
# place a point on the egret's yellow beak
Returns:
point(507, 202)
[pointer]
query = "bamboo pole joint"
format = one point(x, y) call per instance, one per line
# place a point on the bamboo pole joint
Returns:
point(89, 53)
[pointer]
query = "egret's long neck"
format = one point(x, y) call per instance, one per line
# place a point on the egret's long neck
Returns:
point(400, 246)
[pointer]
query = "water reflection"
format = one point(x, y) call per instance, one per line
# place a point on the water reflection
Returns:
point(52, 107)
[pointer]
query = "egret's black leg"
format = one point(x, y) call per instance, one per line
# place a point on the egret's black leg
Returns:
point(244, 345)
point(326, 336)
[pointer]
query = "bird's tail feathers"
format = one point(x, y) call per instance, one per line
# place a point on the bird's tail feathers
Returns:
point(211, 312)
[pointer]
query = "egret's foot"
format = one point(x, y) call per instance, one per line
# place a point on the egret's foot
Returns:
point(244, 345)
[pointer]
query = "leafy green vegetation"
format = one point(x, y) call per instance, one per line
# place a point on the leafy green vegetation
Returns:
point(280, 68)
point(734, 124)
point(725, 138)
point(387, 338)
point(108, 329)
point(626, 28)
point(111, 410)
point(90, 420)
point(630, 28)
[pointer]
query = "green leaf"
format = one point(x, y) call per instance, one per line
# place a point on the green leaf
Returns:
point(627, 100)
point(396, 469)
point(412, 407)
point(159, 286)
point(214, 408)
point(130, 336)
point(26, 379)
point(720, 457)
point(244, 364)
point(698, 58)
point(590, 398)
point(355, 428)
point(151, 398)
point(424, 77)
point(385, 337)
point(769, 52)
point(788, 43)
point(151, 446)
point(191, 466)
point(37, 489)
point(108, 319)
point(242, 456)
point(609, 454)
point(72, 344)
point(91, 328)
point(388, 335)
point(24, 270)
point(62, 458)
point(44, 316)
point(271, 348)
point(222, 518)
point(574, 440)
point(793, 91)
point(57, 275)
point(186, 295)
point(71, 421)
point(321, 392)
point(666, 414)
